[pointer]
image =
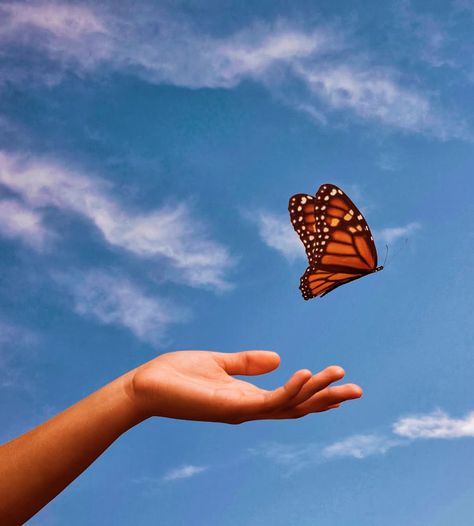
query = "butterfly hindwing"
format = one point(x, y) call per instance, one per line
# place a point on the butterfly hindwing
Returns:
point(316, 282)
point(337, 240)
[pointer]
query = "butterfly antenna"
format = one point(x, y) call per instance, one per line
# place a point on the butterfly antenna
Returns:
point(386, 255)
point(400, 249)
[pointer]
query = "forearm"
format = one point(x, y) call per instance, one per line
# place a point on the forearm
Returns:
point(191, 385)
point(38, 465)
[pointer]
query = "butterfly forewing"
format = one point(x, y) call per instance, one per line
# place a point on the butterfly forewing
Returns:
point(337, 240)
point(303, 219)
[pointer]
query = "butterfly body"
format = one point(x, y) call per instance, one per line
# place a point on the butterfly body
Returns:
point(336, 237)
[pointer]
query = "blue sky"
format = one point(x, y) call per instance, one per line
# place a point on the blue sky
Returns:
point(148, 151)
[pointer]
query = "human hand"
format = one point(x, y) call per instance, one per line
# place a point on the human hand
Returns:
point(191, 385)
point(198, 385)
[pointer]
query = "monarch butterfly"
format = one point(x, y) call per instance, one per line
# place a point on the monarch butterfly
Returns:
point(336, 237)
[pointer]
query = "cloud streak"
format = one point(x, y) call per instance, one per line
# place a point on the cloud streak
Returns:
point(162, 234)
point(112, 299)
point(17, 221)
point(404, 431)
point(371, 93)
point(58, 20)
point(317, 70)
point(294, 457)
point(435, 425)
point(183, 472)
point(277, 233)
point(393, 234)
point(360, 446)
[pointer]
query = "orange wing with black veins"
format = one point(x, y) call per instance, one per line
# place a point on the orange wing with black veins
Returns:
point(337, 240)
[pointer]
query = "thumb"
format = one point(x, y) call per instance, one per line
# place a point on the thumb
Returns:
point(248, 362)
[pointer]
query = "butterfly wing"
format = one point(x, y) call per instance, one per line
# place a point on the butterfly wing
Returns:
point(317, 282)
point(303, 218)
point(337, 240)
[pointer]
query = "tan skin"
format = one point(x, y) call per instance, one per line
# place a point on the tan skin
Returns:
point(190, 385)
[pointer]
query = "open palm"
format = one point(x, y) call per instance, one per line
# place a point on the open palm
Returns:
point(199, 385)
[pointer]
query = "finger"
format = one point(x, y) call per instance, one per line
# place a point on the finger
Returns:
point(299, 413)
point(281, 396)
point(318, 382)
point(319, 403)
point(248, 362)
point(330, 396)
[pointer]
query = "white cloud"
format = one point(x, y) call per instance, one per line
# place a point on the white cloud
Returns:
point(276, 232)
point(114, 300)
point(19, 221)
point(283, 56)
point(360, 446)
point(72, 35)
point(294, 456)
point(299, 456)
point(371, 93)
point(183, 472)
point(62, 21)
point(392, 234)
point(153, 44)
point(435, 425)
point(429, 38)
point(253, 51)
point(406, 430)
point(163, 233)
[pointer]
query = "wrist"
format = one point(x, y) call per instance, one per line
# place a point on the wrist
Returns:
point(125, 402)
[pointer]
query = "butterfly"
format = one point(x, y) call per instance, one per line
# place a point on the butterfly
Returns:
point(336, 237)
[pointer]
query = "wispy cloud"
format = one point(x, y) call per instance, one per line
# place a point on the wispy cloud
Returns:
point(435, 425)
point(427, 36)
point(372, 93)
point(318, 70)
point(404, 431)
point(161, 234)
point(360, 446)
point(291, 456)
point(183, 472)
point(60, 20)
point(58, 30)
point(114, 300)
point(294, 457)
point(151, 484)
point(276, 232)
point(19, 221)
point(392, 234)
